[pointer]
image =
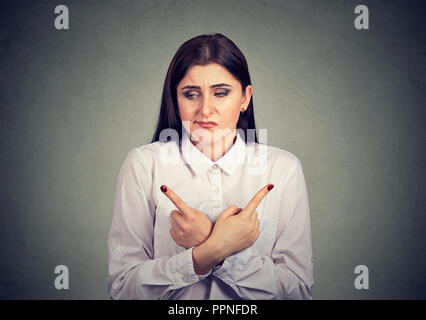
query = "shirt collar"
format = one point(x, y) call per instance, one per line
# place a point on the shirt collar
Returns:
point(199, 162)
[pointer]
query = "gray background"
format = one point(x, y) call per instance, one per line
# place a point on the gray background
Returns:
point(348, 103)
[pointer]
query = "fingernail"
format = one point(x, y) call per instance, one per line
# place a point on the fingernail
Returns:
point(270, 187)
point(163, 188)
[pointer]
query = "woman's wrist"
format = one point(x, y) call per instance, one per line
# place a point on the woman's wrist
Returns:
point(205, 257)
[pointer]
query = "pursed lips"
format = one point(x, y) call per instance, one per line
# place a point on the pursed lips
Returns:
point(208, 124)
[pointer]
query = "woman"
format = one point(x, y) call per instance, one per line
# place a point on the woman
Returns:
point(205, 211)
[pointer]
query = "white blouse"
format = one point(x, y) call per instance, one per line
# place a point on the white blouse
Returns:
point(144, 262)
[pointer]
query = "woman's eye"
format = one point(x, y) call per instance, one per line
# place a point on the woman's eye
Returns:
point(222, 93)
point(219, 94)
point(190, 96)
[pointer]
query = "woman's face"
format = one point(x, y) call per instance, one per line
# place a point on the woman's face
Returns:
point(211, 93)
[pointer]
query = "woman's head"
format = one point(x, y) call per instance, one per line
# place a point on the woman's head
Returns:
point(207, 80)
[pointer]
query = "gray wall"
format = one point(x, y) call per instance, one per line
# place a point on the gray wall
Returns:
point(350, 104)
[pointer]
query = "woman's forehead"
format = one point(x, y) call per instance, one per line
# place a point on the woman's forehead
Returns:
point(207, 75)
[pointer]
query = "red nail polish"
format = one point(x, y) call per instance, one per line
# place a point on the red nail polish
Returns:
point(270, 187)
point(163, 188)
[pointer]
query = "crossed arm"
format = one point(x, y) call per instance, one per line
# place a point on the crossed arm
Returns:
point(235, 229)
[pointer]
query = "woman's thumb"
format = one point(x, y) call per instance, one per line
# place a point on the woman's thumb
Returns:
point(230, 211)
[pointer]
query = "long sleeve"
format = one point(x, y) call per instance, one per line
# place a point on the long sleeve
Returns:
point(133, 271)
point(288, 272)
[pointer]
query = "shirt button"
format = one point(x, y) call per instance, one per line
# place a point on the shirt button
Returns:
point(215, 169)
point(216, 190)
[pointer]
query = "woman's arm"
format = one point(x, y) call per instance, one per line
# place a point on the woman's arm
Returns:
point(235, 229)
point(288, 272)
point(133, 272)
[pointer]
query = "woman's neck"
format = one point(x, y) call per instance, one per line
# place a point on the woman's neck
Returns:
point(217, 149)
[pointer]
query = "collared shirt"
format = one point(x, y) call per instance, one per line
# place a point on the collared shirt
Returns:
point(144, 262)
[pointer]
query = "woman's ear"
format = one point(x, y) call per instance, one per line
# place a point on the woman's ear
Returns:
point(245, 99)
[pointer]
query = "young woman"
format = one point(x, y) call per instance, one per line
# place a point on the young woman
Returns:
point(205, 211)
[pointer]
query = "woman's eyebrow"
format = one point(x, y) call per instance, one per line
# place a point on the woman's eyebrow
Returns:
point(212, 86)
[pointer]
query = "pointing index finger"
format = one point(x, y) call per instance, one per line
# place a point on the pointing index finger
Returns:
point(177, 201)
point(258, 197)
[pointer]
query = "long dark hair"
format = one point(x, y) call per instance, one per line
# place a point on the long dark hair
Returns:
point(202, 50)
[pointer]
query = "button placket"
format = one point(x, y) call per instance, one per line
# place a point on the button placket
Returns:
point(216, 178)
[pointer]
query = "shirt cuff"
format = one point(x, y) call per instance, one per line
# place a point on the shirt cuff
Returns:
point(233, 265)
point(183, 271)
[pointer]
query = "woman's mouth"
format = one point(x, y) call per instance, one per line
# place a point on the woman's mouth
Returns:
point(207, 125)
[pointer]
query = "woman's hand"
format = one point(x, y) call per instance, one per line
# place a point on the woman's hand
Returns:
point(235, 229)
point(190, 227)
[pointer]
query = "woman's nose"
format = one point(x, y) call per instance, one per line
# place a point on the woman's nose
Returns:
point(206, 106)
